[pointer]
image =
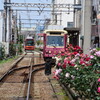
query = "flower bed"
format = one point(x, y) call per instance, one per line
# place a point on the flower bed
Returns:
point(80, 72)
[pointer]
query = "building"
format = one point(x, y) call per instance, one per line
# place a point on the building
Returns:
point(63, 16)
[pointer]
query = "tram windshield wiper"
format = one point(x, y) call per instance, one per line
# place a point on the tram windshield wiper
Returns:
point(54, 46)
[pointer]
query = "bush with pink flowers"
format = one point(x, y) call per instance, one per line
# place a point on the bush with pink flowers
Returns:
point(80, 72)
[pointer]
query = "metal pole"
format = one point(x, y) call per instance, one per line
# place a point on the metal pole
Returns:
point(8, 27)
point(61, 18)
point(5, 21)
point(15, 35)
point(53, 12)
point(10, 24)
point(74, 14)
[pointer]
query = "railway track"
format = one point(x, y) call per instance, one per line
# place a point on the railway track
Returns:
point(26, 81)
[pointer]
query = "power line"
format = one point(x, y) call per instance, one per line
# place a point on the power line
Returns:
point(28, 14)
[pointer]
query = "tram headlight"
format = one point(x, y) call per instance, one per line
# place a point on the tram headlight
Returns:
point(48, 51)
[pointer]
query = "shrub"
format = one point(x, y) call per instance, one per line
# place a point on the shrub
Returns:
point(2, 51)
point(80, 72)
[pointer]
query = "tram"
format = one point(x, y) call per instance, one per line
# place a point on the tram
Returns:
point(29, 44)
point(55, 42)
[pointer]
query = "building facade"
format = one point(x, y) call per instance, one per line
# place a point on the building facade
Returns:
point(95, 35)
point(63, 16)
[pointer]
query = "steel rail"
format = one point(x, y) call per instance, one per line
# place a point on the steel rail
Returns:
point(14, 69)
point(38, 69)
point(12, 66)
point(30, 78)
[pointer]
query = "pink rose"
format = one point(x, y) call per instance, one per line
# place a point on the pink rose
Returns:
point(99, 80)
point(91, 56)
point(98, 90)
point(73, 60)
point(97, 54)
point(64, 65)
point(56, 77)
point(57, 71)
point(59, 64)
point(87, 59)
point(67, 75)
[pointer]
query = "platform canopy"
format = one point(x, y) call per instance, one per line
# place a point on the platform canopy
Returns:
point(72, 30)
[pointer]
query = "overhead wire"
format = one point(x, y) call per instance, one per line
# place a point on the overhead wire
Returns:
point(41, 11)
point(28, 13)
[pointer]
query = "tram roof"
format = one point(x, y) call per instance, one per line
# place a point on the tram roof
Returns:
point(46, 31)
point(29, 37)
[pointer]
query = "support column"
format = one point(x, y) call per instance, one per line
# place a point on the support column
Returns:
point(54, 16)
point(7, 26)
point(86, 25)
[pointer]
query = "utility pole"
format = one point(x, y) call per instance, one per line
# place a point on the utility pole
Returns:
point(54, 16)
point(86, 25)
point(74, 18)
point(16, 29)
point(5, 20)
point(10, 23)
point(78, 18)
point(77, 14)
point(7, 25)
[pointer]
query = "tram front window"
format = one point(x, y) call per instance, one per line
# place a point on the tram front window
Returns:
point(29, 43)
point(55, 41)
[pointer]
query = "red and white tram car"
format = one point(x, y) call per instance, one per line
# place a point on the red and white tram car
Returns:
point(55, 42)
point(29, 44)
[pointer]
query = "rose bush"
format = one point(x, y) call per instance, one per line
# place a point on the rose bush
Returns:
point(80, 72)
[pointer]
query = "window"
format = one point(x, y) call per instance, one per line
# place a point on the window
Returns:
point(70, 24)
point(55, 41)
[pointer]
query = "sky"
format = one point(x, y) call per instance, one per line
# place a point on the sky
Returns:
point(1, 4)
point(28, 14)
point(22, 1)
